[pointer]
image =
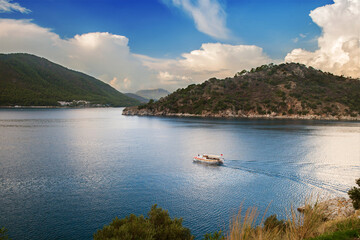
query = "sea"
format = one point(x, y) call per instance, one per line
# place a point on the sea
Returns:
point(65, 173)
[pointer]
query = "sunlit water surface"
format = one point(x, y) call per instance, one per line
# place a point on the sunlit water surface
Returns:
point(64, 173)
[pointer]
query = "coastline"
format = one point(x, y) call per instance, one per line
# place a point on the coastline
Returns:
point(49, 107)
point(133, 111)
point(27, 107)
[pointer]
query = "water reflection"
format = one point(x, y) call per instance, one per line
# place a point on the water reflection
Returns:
point(76, 169)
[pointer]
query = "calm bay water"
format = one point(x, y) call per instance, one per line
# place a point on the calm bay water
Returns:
point(64, 173)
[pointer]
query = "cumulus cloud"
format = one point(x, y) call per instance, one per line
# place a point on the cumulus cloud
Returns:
point(339, 45)
point(8, 6)
point(208, 15)
point(167, 78)
point(211, 60)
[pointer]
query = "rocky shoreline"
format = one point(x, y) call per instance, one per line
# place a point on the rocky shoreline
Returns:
point(134, 111)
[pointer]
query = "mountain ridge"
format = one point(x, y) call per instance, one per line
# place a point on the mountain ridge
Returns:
point(154, 94)
point(137, 97)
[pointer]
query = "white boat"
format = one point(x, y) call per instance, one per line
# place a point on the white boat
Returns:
point(209, 159)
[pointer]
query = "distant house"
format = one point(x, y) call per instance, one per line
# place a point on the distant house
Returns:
point(74, 103)
point(63, 103)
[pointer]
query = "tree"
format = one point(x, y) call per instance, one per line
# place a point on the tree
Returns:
point(157, 226)
point(354, 194)
point(272, 222)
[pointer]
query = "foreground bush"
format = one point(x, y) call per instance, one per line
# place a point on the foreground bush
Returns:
point(157, 226)
point(354, 194)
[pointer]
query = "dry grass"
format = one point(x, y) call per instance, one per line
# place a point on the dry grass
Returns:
point(244, 227)
point(307, 224)
point(299, 226)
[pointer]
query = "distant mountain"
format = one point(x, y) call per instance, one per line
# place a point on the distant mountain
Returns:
point(28, 80)
point(274, 91)
point(155, 94)
point(137, 97)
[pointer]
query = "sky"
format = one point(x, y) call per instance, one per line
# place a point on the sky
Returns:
point(144, 44)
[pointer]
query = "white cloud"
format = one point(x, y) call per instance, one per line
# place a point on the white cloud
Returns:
point(211, 60)
point(208, 15)
point(8, 6)
point(339, 45)
point(167, 78)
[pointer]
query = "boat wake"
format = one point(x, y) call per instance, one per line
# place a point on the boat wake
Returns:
point(303, 179)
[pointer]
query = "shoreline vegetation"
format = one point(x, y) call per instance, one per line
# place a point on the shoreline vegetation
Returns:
point(318, 219)
point(332, 219)
point(134, 111)
point(285, 91)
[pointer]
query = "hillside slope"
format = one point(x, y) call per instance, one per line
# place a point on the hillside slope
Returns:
point(28, 80)
point(281, 91)
point(137, 97)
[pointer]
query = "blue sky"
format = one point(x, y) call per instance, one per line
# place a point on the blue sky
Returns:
point(135, 44)
point(160, 30)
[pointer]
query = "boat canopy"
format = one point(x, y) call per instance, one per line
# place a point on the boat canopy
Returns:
point(212, 156)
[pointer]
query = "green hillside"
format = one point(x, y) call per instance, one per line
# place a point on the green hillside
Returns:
point(274, 90)
point(28, 80)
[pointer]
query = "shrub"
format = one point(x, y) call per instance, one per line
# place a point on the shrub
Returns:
point(157, 226)
point(214, 236)
point(272, 222)
point(354, 194)
point(3, 234)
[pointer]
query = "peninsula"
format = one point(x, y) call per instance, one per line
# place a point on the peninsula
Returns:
point(288, 90)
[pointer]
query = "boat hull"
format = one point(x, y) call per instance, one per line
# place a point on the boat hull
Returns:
point(208, 161)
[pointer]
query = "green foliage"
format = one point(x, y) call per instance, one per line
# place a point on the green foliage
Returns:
point(29, 80)
point(214, 236)
point(339, 235)
point(3, 234)
point(272, 222)
point(348, 229)
point(238, 74)
point(354, 194)
point(157, 226)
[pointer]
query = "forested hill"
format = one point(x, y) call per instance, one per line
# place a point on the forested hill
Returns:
point(287, 90)
point(28, 80)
